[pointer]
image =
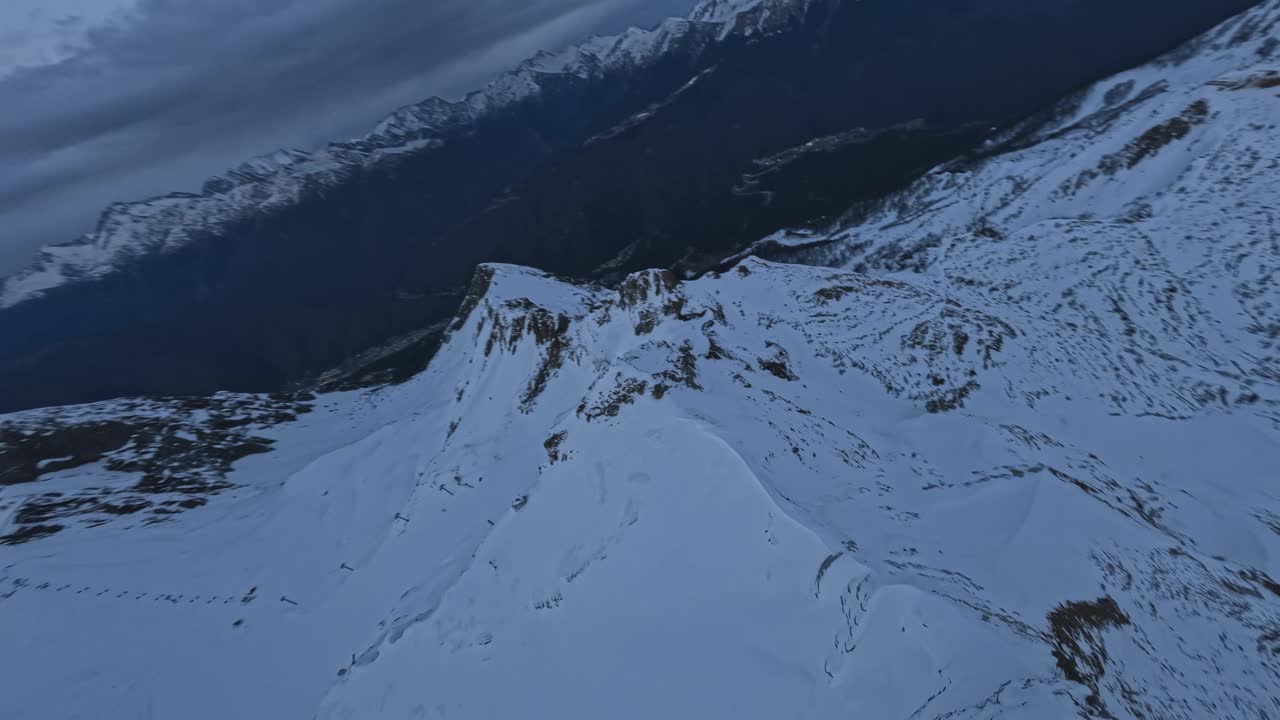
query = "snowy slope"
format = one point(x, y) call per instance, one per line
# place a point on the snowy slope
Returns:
point(128, 231)
point(1138, 228)
point(1014, 456)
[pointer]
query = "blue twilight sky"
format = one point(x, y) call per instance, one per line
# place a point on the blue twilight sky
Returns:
point(110, 100)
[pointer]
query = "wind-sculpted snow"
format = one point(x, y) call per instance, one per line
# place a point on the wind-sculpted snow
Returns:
point(781, 490)
point(1015, 456)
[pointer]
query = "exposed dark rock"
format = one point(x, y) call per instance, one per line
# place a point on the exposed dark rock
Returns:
point(1153, 140)
point(684, 370)
point(552, 446)
point(1077, 631)
point(553, 333)
point(26, 454)
point(778, 364)
point(182, 449)
point(610, 405)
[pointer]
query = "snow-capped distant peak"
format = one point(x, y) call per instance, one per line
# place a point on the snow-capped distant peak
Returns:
point(264, 165)
point(131, 230)
point(255, 170)
point(719, 10)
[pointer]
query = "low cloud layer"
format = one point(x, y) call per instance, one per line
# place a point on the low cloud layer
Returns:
point(181, 89)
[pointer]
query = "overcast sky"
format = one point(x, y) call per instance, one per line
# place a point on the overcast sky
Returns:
point(108, 100)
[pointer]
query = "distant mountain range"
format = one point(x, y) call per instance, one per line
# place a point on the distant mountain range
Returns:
point(669, 147)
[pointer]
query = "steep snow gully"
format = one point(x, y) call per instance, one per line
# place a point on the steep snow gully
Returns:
point(1004, 445)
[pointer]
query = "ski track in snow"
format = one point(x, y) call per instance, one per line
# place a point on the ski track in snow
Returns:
point(1005, 447)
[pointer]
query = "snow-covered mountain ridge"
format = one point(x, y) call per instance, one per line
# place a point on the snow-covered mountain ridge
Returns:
point(128, 231)
point(1013, 455)
point(1140, 223)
